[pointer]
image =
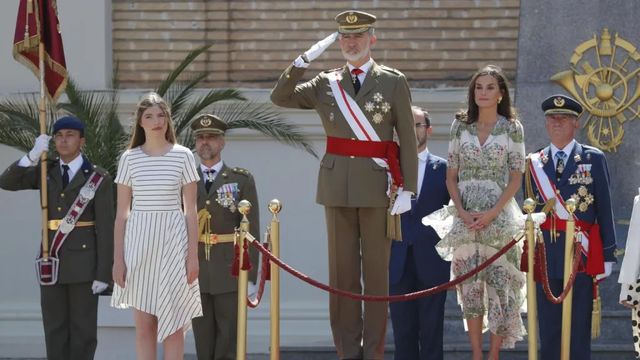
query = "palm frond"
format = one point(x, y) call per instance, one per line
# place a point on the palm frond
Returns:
point(19, 120)
point(195, 107)
point(173, 76)
point(179, 93)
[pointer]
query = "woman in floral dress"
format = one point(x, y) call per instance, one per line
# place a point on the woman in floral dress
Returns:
point(486, 162)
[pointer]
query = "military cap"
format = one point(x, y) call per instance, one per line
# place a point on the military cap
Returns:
point(353, 21)
point(561, 104)
point(207, 123)
point(68, 122)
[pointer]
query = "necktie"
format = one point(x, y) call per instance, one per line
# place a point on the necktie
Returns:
point(356, 82)
point(65, 176)
point(208, 178)
point(559, 164)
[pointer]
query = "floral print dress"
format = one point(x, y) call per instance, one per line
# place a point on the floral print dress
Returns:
point(497, 293)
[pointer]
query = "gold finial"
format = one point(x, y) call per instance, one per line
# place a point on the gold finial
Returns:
point(529, 205)
point(605, 43)
point(275, 206)
point(570, 205)
point(244, 207)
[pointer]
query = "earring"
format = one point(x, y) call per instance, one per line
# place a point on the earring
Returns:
point(499, 99)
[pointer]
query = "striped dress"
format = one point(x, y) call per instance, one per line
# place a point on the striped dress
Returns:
point(155, 241)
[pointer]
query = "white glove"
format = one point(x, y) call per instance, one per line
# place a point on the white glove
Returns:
point(608, 266)
point(402, 203)
point(98, 286)
point(251, 289)
point(316, 50)
point(41, 145)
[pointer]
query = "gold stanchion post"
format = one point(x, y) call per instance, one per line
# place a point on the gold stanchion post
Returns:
point(568, 266)
point(529, 206)
point(275, 207)
point(244, 207)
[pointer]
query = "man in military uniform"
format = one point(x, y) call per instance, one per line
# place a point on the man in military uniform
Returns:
point(567, 169)
point(415, 265)
point(219, 192)
point(360, 105)
point(70, 305)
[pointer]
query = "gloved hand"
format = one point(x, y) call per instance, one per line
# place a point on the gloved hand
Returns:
point(41, 145)
point(402, 203)
point(98, 286)
point(252, 289)
point(316, 50)
point(608, 267)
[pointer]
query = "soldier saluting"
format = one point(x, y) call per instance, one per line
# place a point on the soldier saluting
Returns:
point(81, 216)
point(360, 105)
point(219, 192)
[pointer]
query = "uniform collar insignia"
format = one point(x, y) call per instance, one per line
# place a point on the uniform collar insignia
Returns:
point(577, 158)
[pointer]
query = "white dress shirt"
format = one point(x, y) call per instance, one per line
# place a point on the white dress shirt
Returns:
point(422, 165)
point(567, 151)
point(217, 168)
point(365, 68)
point(74, 166)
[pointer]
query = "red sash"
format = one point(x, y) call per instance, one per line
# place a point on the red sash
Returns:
point(595, 257)
point(387, 150)
point(47, 268)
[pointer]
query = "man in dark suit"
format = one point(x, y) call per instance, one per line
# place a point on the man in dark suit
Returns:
point(219, 192)
point(70, 306)
point(415, 265)
point(567, 169)
point(361, 105)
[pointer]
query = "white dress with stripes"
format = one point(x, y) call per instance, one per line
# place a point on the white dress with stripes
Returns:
point(155, 242)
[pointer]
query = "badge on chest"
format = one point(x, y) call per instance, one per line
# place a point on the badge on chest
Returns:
point(227, 196)
point(582, 175)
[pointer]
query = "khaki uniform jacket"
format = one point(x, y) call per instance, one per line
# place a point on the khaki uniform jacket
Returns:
point(215, 273)
point(87, 253)
point(356, 182)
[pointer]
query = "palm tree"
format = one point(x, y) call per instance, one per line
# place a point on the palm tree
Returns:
point(105, 136)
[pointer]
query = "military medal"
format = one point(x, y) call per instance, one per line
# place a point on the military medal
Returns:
point(227, 196)
point(378, 107)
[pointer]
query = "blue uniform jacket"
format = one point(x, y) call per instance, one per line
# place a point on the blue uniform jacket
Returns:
point(586, 179)
point(431, 268)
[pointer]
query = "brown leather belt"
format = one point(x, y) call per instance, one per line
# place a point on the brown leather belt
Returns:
point(55, 224)
point(217, 239)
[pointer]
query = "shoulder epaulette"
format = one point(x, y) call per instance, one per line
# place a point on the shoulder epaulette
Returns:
point(391, 70)
point(332, 70)
point(239, 170)
point(100, 170)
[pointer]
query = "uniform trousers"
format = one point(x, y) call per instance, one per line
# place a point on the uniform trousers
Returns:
point(358, 249)
point(550, 319)
point(215, 331)
point(70, 317)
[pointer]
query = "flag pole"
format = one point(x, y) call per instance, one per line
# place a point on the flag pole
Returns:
point(43, 157)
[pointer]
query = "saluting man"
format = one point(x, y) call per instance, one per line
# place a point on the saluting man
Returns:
point(83, 246)
point(566, 170)
point(360, 105)
point(219, 192)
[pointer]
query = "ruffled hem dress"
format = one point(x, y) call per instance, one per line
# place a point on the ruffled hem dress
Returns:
point(155, 243)
point(497, 293)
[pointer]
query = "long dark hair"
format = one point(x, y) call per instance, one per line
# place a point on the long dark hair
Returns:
point(504, 106)
point(149, 100)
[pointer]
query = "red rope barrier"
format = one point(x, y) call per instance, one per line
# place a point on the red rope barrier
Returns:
point(390, 298)
point(253, 303)
point(544, 276)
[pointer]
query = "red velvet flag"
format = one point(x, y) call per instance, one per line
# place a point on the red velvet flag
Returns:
point(38, 21)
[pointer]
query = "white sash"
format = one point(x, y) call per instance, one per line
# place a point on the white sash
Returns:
point(355, 117)
point(548, 190)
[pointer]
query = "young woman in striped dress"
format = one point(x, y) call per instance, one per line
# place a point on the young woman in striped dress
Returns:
point(155, 266)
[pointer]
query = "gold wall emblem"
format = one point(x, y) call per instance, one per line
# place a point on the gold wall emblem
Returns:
point(559, 102)
point(352, 18)
point(604, 77)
